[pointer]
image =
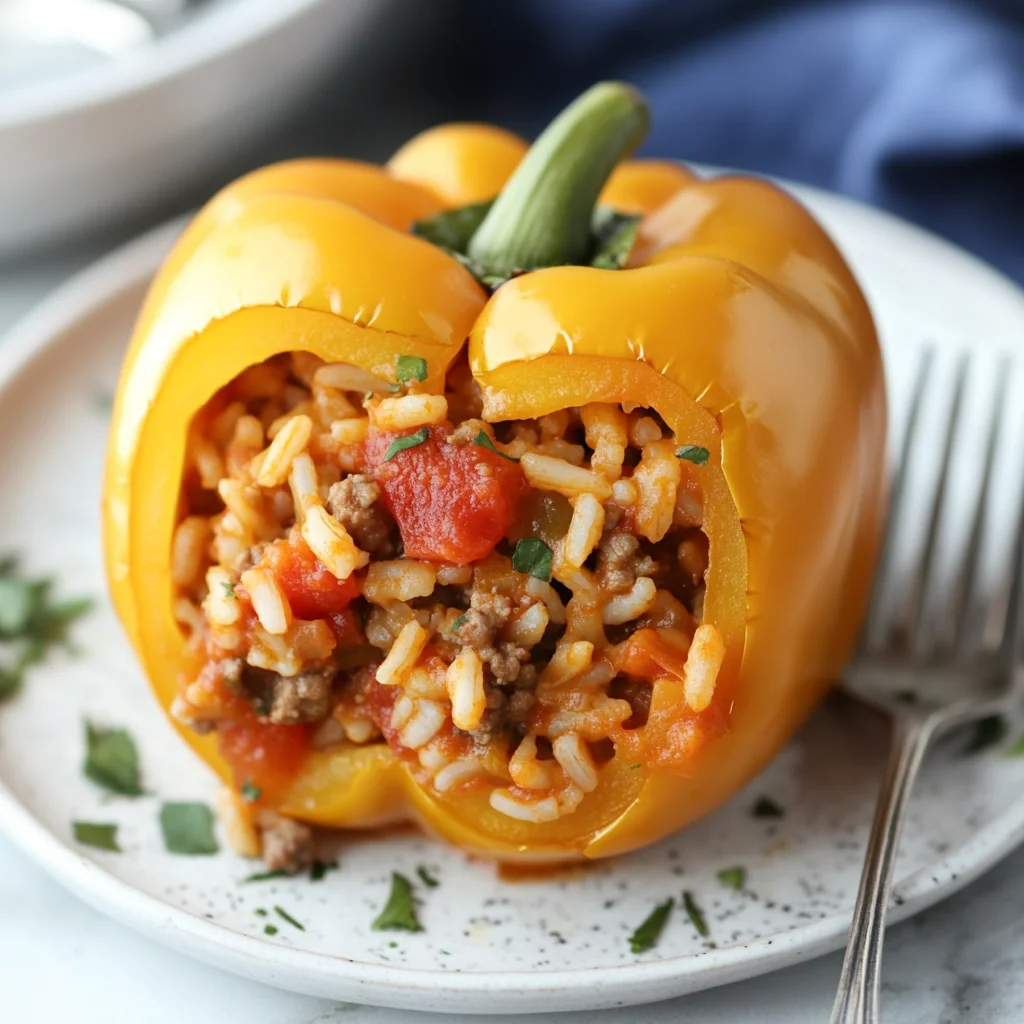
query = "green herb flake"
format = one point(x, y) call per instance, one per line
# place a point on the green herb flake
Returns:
point(987, 733)
point(399, 913)
point(693, 453)
point(647, 935)
point(733, 878)
point(18, 600)
point(400, 444)
point(483, 441)
point(410, 368)
point(188, 829)
point(766, 807)
point(229, 589)
point(695, 914)
point(1017, 750)
point(285, 916)
point(635, 766)
point(260, 912)
point(459, 622)
point(249, 792)
point(265, 876)
point(112, 760)
point(90, 833)
point(427, 879)
point(392, 944)
point(320, 868)
point(532, 556)
point(270, 929)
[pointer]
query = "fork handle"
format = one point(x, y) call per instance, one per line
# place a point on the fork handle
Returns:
point(857, 998)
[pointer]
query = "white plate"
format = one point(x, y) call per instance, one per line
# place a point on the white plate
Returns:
point(489, 945)
point(90, 147)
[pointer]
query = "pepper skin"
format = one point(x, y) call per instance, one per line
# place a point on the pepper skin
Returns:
point(737, 320)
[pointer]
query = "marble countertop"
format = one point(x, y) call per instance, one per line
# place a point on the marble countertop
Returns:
point(960, 961)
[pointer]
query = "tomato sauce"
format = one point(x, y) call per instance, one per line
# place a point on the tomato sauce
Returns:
point(313, 592)
point(265, 754)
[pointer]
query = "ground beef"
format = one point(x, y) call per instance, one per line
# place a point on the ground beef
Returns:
point(507, 661)
point(355, 503)
point(519, 704)
point(487, 613)
point(230, 670)
point(495, 717)
point(303, 698)
point(287, 844)
point(616, 562)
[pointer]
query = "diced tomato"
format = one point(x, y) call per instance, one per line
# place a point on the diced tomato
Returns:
point(346, 628)
point(312, 591)
point(452, 502)
point(264, 753)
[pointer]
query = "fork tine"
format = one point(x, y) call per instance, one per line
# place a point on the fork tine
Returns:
point(909, 619)
point(1004, 624)
point(878, 623)
point(952, 630)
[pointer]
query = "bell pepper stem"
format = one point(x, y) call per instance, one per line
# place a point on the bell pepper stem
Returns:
point(542, 217)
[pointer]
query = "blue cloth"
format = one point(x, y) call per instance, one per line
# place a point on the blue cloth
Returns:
point(915, 107)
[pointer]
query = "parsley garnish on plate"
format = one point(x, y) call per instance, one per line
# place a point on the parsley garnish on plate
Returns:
point(766, 807)
point(1017, 750)
point(410, 368)
point(30, 623)
point(695, 914)
point(265, 876)
point(270, 929)
point(101, 836)
point(459, 622)
point(400, 444)
point(320, 868)
point(229, 589)
point(532, 556)
point(647, 935)
point(693, 453)
point(112, 760)
point(427, 879)
point(399, 913)
point(188, 829)
point(483, 441)
point(987, 733)
point(285, 916)
point(733, 878)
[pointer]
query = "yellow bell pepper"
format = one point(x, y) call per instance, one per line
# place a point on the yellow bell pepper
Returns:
point(737, 320)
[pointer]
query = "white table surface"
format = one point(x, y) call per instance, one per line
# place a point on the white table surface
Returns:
point(62, 961)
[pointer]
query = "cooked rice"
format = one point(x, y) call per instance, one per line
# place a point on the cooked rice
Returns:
point(484, 677)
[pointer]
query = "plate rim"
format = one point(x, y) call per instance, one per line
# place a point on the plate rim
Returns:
point(128, 266)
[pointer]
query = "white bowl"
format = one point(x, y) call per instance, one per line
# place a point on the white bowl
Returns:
point(85, 149)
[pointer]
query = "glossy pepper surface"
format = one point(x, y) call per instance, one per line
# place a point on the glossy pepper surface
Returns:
point(736, 319)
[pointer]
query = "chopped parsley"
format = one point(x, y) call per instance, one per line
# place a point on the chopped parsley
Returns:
point(399, 913)
point(265, 876)
point(647, 935)
point(270, 929)
point(1017, 750)
point(635, 766)
point(90, 833)
point(766, 807)
point(320, 868)
point(695, 914)
point(458, 623)
point(733, 878)
point(30, 623)
point(285, 916)
point(249, 792)
point(260, 912)
point(427, 879)
point(532, 556)
point(400, 444)
point(693, 453)
point(229, 589)
point(112, 760)
point(483, 441)
point(987, 733)
point(410, 368)
point(188, 829)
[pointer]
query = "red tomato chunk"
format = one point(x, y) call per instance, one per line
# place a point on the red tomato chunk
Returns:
point(452, 502)
point(263, 753)
point(312, 591)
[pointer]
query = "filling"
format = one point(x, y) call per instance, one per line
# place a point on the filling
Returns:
point(359, 561)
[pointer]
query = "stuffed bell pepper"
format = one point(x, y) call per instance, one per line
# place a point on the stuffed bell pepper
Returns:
point(520, 492)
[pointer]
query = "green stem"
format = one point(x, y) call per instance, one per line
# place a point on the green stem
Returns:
point(542, 217)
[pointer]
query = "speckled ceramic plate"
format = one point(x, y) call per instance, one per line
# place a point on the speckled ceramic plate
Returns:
point(489, 945)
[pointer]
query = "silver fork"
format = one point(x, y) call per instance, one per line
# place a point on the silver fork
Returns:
point(935, 652)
